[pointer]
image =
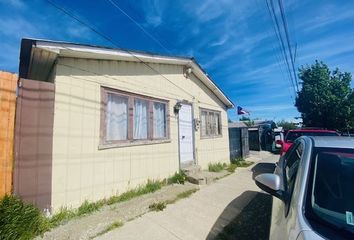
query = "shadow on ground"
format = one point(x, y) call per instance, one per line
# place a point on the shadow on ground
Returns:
point(262, 168)
point(246, 217)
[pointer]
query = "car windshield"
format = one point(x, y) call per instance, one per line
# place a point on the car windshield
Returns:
point(332, 195)
point(292, 136)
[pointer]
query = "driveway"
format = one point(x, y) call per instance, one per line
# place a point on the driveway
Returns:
point(231, 208)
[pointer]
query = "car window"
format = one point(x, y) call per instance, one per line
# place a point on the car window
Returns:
point(291, 166)
point(330, 198)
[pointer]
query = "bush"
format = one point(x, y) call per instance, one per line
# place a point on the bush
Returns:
point(20, 220)
point(215, 167)
point(178, 177)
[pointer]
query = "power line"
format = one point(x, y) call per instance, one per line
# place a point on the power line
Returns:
point(109, 39)
point(277, 31)
point(136, 23)
point(285, 25)
point(278, 57)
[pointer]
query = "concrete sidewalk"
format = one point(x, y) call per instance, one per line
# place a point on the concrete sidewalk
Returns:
point(204, 214)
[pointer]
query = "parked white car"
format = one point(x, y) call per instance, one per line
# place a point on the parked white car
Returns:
point(313, 189)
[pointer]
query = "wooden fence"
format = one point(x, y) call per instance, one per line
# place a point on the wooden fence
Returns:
point(8, 84)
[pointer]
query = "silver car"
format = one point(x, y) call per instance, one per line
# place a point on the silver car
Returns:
point(313, 189)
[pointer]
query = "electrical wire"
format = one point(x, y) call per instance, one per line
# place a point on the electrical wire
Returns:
point(114, 4)
point(277, 30)
point(109, 39)
point(285, 25)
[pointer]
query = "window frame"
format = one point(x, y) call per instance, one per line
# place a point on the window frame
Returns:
point(289, 190)
point(210, 111)
point(130, 141)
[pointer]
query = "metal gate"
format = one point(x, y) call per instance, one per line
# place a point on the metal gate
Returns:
point(244, 142)
point(238, 142)
point(254, 139)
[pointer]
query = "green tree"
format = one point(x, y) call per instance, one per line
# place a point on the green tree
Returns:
point(325, 99)
point(243, 118)
point(286, 125)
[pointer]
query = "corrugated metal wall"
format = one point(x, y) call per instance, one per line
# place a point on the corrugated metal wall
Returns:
point(8, 84)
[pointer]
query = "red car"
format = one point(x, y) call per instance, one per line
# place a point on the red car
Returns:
point(292, 135)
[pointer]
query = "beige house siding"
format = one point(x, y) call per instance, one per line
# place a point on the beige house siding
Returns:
point(83, 172)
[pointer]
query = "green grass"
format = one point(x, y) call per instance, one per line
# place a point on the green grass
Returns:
point(159, 206)
point(62, 216)
point(89, 207)
point(150, 187)
point(231, 168)
point(186, 194)
point(178, 177)
point(240, 162)
point(114, 225)
point(20, 220)
point(216, 167)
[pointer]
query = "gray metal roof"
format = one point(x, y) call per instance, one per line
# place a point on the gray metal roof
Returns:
point(237, 124)
point(334, 142)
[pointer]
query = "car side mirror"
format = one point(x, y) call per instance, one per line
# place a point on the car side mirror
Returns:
point(270, 183)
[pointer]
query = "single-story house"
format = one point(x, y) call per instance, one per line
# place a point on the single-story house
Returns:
point(93, 122)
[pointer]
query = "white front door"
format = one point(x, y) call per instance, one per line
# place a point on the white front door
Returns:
point(185, 123)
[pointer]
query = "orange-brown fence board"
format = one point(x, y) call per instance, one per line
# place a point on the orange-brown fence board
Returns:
point(8, 84)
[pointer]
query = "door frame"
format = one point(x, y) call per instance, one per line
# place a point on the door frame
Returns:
point(193, 162)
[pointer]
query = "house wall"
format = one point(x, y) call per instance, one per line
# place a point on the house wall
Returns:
point(8, 84)
point(81, 171)
point(33, 142)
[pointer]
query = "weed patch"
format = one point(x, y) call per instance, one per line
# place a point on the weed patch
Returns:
point(186, 194)
point(216, 167)
point(178, 177)
point(62, 216)
point(231, 168)
point(150, 187)
point(111, 227)
point(159, 206)
point(240, 162)
point(20, 220)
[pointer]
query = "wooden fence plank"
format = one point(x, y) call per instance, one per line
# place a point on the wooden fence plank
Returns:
point(8, 85)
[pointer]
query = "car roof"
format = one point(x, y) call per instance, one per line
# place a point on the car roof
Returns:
point(311, 130)
point(333, 141)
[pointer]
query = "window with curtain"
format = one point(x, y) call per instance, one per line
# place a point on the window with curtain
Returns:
point(210, 123)
point(140, 119)
point(159, 112)
point(129, 118)
point(116, 118)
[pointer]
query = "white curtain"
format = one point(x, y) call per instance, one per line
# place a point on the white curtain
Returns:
point(216, 116)
point(159, 120)
point(140, 119)
point(203, 123)
point(116, 118)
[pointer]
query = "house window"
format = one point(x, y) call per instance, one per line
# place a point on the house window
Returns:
point(210, 123)
point(128, 118)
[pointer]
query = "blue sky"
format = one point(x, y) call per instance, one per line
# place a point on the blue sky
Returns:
point(233, 41)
